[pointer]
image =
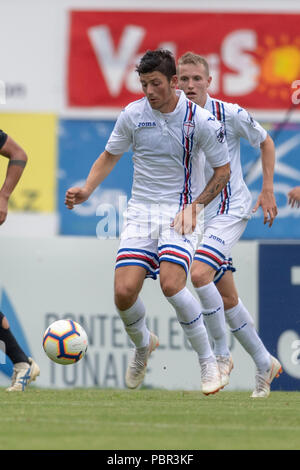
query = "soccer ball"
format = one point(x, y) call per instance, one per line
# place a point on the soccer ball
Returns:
point(65, 342)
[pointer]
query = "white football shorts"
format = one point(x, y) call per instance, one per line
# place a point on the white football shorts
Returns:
point(147, 239)
point(221, 233)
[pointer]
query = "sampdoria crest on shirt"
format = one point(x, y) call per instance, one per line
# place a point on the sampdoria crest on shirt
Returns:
point(188, 129)
point(221, 134)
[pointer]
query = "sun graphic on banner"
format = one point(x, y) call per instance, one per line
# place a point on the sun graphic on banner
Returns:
point(279, 61)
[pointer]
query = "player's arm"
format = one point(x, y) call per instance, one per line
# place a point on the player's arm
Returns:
point(215, 185)
point(294, 197)
point(17, 162)
point(100, 169)
point(118, 143)
point(186, 220)
point(245, 126)
point(266, 199)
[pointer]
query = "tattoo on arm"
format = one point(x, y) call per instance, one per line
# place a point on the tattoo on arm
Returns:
point(213, 188)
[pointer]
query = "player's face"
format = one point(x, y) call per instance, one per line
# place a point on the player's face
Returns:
point(194, 81)
point(161, 92)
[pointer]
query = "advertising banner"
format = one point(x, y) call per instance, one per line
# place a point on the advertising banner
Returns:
point(286, 176)
point(254, 58)
point(81, 141)
point(279, 293)
point(37, 135)
point(80, 144)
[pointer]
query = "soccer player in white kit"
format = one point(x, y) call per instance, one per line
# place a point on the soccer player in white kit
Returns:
point(226, 218)
point(167, 132)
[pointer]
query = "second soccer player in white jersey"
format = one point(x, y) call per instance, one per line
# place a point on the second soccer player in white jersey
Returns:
point(226, 218)
point(167, 132)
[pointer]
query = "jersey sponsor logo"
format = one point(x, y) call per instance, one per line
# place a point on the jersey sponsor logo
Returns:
point(217, 239)
point(147, 124)
point(221, 134)
point(211, 119)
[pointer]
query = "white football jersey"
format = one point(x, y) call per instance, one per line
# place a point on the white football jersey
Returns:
point(235, 199)
point(168, 162)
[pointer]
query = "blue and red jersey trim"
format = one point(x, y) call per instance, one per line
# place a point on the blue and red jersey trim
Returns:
point(218, 111)
point(188, 128)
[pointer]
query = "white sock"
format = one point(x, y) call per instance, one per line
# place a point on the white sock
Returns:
point(242, 327)
point(188, 311)
point(214, 318)
point(135, 323)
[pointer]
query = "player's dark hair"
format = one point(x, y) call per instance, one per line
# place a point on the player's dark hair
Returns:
point(160, 60)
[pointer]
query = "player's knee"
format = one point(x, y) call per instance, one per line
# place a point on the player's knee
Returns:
point(172, 278)
point(125, 295)
point(200, 276)
point(170, 287)
point(171, 282)
point(230, 300)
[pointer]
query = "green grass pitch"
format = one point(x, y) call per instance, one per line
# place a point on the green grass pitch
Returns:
point(147, 419)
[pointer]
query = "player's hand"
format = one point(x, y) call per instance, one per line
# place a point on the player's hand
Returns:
point(3, 208)
point(294, 197)
point(76, 196)
point(186, 220)
point(266, 200)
